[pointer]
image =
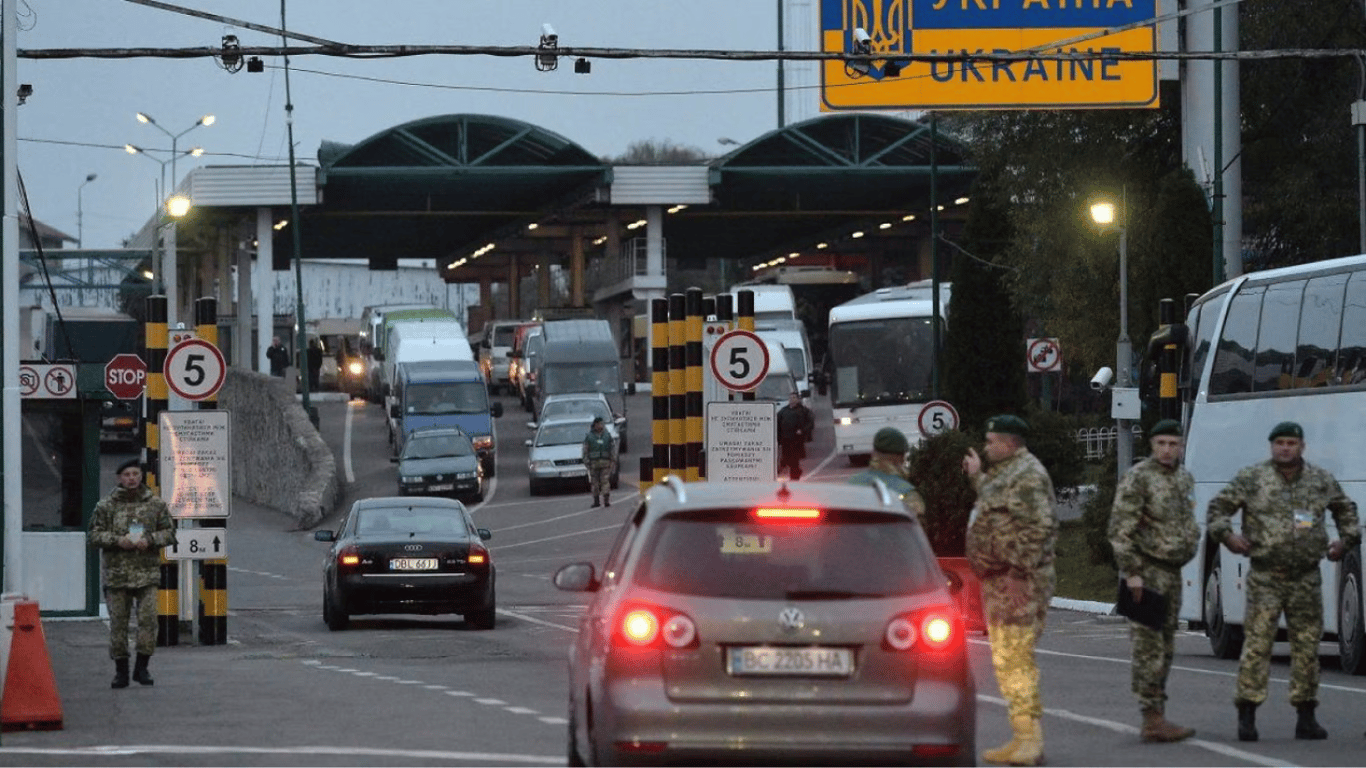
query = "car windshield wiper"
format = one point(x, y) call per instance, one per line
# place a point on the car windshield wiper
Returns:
point(829, 594)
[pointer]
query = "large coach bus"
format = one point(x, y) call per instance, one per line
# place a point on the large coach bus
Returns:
point(1283, 344)
point(880, 363)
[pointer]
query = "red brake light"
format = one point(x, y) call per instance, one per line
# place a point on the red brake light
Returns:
point(478, 555)
point(787, 513)
point(348, 557)
point(649, 626)
point(932, 629)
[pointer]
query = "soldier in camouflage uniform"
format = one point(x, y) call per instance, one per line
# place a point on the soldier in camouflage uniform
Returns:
point(1283, 502)
point(888, 466)
point(130, 526)
point(1154, 533)
point(1010, 546)
point(599, 456)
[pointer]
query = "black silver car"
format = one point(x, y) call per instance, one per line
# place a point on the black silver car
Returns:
point(408, 555)
point(440, 461)
point(767, 624)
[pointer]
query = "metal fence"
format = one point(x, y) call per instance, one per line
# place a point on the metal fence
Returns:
point(1099, 441)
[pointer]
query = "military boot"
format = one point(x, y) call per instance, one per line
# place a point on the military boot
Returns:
point(120, 673)
point(140, 673)
point(1029, 749)
point(1247, 721)
point(595, 502)
point(607, 499)
point(1156, 728)
point(1001, 755)
point(1307, 727)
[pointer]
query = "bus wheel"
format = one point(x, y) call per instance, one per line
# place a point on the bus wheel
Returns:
point(1225, 640)
point(1351, 632)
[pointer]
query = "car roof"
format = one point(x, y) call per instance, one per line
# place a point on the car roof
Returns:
point(389, 502)
point(673, 495)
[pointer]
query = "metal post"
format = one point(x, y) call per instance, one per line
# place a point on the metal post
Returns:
point(1124, 443)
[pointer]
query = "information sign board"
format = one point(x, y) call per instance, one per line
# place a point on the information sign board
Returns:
point(196, 463)
point(742, 442)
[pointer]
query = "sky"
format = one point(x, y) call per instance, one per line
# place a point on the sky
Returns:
point(82, 111)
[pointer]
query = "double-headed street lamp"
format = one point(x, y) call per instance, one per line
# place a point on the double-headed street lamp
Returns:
point(80, 208)
point(143, 117)
point(1124, 401)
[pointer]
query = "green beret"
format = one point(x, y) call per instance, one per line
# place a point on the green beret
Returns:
point(1166, 427)
point(130, 463)
point(1009, 424)
point(890, 440)
point(1287, 429)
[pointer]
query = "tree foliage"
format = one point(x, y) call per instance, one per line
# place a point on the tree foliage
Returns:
point(658, 152)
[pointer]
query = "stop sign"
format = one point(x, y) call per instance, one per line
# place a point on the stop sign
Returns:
point(125, 376)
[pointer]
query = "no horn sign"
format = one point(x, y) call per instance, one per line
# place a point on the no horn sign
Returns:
point(1044, 356)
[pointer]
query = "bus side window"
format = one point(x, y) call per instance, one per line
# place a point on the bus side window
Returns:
point(1233, 358)
point(1352, 348)
point(1320, 320)
point(1275, 366)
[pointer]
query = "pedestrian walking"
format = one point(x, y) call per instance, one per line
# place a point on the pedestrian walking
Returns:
point(887, 465)
point(1010, 547)
point(278, 357)
point(600, 456)
point(130, 526)
point(1154, 533)
point(795, 425)
point(1283, 502)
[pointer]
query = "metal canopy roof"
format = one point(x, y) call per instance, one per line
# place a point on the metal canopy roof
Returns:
point(429, 187)
point(444, 186)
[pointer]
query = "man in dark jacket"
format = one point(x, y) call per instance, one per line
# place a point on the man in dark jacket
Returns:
point(130, 526)
point(278, 357)
point(795, 425)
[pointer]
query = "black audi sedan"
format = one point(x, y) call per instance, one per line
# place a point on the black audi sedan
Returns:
point(413, 555)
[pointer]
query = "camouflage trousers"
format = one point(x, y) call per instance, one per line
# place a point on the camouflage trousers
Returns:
point(1300, 598)
point(599, 476)
point(1153, 648)
point(1012, 656)
point(120, 601)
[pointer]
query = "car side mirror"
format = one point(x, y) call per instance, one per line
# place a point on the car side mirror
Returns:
point(576, 577)
point(528, 443)
point(484, 534)
point(324, 536)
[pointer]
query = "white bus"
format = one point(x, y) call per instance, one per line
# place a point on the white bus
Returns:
point(1280, 345)
point(880, 362)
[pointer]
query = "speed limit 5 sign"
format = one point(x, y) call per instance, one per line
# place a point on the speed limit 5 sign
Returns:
point(739, 360)
point(195, 369)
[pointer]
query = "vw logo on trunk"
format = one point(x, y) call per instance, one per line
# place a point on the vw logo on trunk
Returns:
point(791, 619)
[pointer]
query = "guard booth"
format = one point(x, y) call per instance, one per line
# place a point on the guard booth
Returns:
point(65, 473)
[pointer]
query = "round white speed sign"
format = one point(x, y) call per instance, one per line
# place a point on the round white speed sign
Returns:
point(195, 369)
point(739, 360)
point(937, 416)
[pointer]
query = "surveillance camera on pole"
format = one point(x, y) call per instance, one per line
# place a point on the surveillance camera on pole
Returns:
point(546, 57)
point(863, 46)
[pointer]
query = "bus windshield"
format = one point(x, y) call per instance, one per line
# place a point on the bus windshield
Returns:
point(881, 362)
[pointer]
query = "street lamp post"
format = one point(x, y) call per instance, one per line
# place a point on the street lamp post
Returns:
point(80, 209)
point(1104, 214)
point(168, 271)
point(143, 117)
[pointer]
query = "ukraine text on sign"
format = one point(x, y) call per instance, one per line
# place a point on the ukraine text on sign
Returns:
point(964, 28)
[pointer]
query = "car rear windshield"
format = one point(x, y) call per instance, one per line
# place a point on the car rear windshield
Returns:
point(384, 521)
point(729, 553)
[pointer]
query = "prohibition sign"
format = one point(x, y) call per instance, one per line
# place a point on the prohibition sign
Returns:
point(195, 369)
point(937, 416)
point(739, 360)
point(1044, 356)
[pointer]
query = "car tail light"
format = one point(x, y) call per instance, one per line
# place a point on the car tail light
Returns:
point(787, 514)
point(478, 555)
point(349, 557)
point(650, 626)
point(933, 629)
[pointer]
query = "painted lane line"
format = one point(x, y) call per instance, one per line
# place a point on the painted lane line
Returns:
point(478, 758)
point(346, 446)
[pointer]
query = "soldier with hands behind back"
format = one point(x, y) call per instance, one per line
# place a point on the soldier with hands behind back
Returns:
point(1283, 534)
point(1154, 533)
point(130, 526)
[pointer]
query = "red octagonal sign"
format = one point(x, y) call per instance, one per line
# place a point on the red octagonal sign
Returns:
point(125, 376)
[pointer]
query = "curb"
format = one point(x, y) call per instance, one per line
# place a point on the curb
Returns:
point(1082, 606)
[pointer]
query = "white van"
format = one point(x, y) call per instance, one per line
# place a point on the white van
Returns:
point(421, 341)
point(791, 344)
point(495, 352)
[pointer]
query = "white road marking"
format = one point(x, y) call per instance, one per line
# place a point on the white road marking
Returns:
point(346, 445)
point(478, 758)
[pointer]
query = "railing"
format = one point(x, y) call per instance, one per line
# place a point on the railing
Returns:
point(1099, 441)
point(613, 269)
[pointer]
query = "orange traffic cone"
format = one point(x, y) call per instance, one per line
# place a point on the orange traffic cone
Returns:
point(30, 698)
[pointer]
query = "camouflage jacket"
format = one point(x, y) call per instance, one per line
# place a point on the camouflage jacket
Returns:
point(598, 447)
point(1153, 518)
point(896, 482)
point(111, 521)
point(1015, 527)
point(1283, 519)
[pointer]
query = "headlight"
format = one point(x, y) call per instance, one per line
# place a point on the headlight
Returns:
point(535, 465)
point(483, 442)
point(355, 367)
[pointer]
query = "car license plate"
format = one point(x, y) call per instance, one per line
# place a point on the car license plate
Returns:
point(765, 660)
point(413, 564)
point(441, 487)
point(573, 472)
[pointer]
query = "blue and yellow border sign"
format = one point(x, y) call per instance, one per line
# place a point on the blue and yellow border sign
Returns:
point(900, 28)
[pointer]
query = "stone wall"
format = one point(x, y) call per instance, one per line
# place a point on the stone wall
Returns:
point(279, 459)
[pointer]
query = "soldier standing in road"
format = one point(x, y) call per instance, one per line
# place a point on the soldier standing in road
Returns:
point(888, 466)
point(600, 456)
point(1010, 546)
point(130, 526)
point(795, 425)
point(1154, 533)
point(1283, 502)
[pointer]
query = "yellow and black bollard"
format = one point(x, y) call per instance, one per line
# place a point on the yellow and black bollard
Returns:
point(659, 387)
point(155, 339)
point(213, 574)
point(678, 402)
point(744, 321)
point(692, 352)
